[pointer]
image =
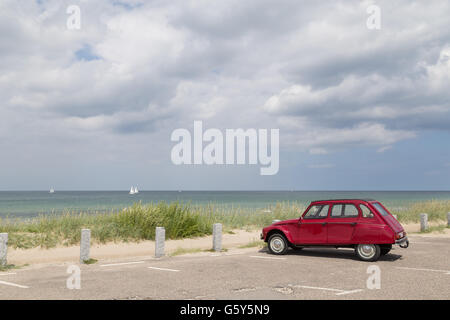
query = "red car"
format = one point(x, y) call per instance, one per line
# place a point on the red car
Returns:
point(365, 225)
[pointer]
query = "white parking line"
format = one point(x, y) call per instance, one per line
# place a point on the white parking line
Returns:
point(13, 284)
point(339, 292)
point(262, 257)
point(7, 274)
point(121, 264)
point(423, 269)
point(349, 292)
point(164, 269)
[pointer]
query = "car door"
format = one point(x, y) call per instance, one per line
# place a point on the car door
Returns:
point(341, 223)
point(312, 227)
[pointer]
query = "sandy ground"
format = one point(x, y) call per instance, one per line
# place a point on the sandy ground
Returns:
point(113, 250)
point(123, 250)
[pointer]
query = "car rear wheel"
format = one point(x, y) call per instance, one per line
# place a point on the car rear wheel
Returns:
point(368, 252)
point(277, 244)
point(385, 249)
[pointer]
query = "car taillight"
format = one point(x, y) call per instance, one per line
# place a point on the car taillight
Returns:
point(400, 235)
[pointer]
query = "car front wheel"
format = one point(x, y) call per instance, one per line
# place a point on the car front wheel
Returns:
point(368, 252)
point(277, 244)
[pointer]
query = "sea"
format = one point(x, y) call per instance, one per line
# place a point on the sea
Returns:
point(28, 204)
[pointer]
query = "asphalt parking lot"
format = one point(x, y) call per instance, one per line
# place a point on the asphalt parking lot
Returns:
point(420, 272)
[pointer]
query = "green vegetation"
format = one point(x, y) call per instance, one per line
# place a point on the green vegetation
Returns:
point(7, 267)
point(253, 244)
point(90, 261)
point(136, 223)
point(439, 228)
point(436, 210)
point(180, 251)
point(180, 221)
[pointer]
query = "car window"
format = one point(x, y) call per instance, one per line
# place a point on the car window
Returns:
point(380, 209)
point(317, 211)
point(324, 211)
point(336, 211)
point(350, 211)
point(366, 213)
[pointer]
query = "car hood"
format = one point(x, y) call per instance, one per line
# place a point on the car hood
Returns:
point(285, 222)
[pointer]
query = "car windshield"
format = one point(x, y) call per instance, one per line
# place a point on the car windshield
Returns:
point(380, 209)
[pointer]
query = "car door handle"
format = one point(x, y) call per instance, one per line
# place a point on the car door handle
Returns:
point(324, 223)
point(353, 223)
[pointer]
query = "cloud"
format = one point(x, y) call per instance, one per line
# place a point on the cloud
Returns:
point(143, 68)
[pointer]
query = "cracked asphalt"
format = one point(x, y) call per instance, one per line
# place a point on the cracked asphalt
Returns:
point(420, 272)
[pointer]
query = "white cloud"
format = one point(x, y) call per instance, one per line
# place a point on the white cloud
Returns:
point(311, 69)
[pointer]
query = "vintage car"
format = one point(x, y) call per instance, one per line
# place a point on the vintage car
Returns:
point(365, 225)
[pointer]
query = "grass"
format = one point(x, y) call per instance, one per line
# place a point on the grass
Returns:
point(436, 210)
point(253, 244)
point(137, 223)
point(8, 267)
point(90, 261)
point(180, 221)
point(439, 228)
point(180, 251)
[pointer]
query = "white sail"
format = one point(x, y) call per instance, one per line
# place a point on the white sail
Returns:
point(136, 190)
point(132, 190)
point(52, 190)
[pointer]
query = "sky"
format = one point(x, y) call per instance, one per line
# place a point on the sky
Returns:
point(94, 107)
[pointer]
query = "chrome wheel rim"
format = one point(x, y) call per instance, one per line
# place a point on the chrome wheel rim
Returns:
point(277, 244)
point(366, 250)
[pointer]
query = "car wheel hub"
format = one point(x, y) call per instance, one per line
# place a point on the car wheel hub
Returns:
point(277, 245)
point(367, 250)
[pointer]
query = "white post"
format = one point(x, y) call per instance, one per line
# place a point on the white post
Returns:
point(217, 237)
point(3, 248)
point(423, 221)
point(448, 219)
point(160, 237)
point(85, 245)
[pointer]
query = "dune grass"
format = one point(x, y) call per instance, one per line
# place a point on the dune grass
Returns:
point(436, 209)
point(136, 223)
point(180, 221)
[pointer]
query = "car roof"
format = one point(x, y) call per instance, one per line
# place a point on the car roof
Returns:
point(347, 200)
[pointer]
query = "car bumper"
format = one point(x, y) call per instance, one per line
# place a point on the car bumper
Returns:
point(403, 243)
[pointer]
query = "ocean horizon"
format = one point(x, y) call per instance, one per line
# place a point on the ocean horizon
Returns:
point(28, 204)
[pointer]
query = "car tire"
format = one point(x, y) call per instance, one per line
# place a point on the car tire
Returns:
point(368, 252)
point(385, 249)
point(277, 244)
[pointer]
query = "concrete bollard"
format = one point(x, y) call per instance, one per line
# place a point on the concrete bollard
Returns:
point(160, 237)
point(85, 245)
point(275, 221)
point(448, 219)
point(423, 221)
point(3, 248)
point(217, 237)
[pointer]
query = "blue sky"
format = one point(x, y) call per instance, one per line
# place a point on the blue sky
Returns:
point(94, 108)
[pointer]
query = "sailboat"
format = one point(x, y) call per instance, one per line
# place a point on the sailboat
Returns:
point(52, 190)
point(134, 190)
